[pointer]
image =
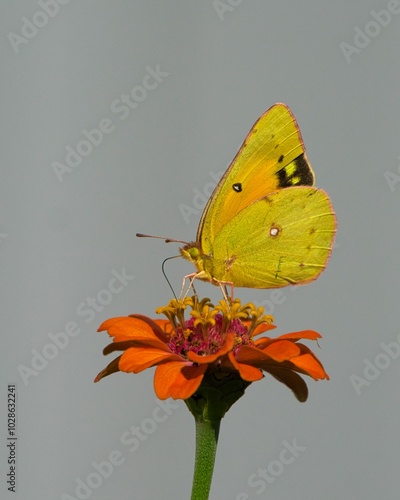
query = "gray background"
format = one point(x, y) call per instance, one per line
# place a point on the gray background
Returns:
point(60, 242)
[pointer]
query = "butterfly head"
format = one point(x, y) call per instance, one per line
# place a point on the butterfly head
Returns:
point(193, 253)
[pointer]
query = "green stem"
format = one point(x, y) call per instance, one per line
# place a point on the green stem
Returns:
point(207, 432)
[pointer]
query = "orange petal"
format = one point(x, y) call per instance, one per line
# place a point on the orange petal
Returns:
point(303, 363)
point(293, 381)
point(246, 372)
point(225, 348)
point(250, 355)
point(177, 379)
point(109, 322)
point(165, 326)
point(109, 369)
point(137, 359)
point(303, 334)
point(310, 365)
point(263, 327)
point(123, 346)
point(282, 350)
point(129, 328)
point(159, 326)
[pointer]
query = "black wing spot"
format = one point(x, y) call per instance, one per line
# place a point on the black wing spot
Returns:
point(280, 159)
point(237, 187)
point(303, 170)
point(300, 175)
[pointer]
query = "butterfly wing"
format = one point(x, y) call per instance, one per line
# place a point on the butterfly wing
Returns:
point(281, 239)
point(272, 157)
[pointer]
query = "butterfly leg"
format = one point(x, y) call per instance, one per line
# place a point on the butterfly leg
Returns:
point(191, 278)
point(232, 290)
point(223, 286)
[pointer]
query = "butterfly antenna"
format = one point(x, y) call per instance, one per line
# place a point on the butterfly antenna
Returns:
point(167, 240)
point(165, 276)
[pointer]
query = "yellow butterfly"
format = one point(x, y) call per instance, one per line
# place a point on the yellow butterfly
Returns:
point(265, 226)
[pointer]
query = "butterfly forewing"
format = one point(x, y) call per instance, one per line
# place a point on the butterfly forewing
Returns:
point(272, 157)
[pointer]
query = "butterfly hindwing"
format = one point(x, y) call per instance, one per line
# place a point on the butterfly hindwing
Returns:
point(283, 238)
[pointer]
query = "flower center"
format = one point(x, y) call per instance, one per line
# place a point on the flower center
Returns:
point(205, 342)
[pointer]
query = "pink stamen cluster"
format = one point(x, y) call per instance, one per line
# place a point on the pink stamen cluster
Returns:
point(193, 338)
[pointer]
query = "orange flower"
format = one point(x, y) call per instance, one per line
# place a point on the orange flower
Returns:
point(216, 341)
